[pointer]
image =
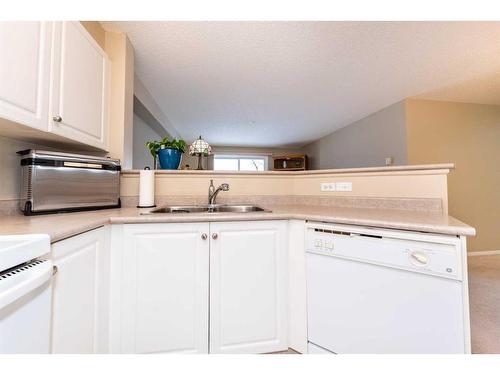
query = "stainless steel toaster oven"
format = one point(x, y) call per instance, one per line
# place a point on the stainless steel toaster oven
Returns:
point(60, 182)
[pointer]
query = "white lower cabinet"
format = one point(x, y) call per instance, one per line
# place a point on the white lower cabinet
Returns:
point(80, 294)
point(248, 287)
point(164, 288)
point(200, 288)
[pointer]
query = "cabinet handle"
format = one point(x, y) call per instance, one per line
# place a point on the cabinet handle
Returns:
point(54, 270)
point(57, 118)
point(215, 236)
point(204, 236)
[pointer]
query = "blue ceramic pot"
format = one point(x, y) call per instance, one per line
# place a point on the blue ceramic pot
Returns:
point(169, 158)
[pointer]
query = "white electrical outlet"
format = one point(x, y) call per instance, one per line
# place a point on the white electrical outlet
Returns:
point(344, 186)
point(328, 186)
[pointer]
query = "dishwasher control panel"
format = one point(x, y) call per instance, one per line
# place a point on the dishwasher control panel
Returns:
point(387, 248)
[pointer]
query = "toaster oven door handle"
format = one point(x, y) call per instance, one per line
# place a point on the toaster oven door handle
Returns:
point(86, 164)
point(82, 165)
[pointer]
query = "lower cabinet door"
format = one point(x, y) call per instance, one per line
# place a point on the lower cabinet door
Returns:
point(165, 288)
point(248, 287)
point(79, 303)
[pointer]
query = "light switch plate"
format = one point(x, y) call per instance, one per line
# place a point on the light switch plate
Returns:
point(344, 186)
point(328, 186)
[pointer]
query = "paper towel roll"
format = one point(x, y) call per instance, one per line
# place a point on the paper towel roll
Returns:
point(146, 188)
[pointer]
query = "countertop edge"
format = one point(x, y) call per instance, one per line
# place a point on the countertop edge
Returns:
point(187, 218)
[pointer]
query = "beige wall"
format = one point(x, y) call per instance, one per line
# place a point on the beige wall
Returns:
point(95, 29)
point(429, 183)
point(469, 136)
point(121, 54)
point(364, 143)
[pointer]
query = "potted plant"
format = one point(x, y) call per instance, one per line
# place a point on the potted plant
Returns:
point(170, 152)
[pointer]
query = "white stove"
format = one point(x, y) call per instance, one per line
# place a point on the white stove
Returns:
point(25, 294)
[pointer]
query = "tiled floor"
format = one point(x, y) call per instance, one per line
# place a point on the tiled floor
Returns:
point(484, 296)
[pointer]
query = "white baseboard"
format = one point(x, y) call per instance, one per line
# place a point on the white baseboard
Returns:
point(481, 253)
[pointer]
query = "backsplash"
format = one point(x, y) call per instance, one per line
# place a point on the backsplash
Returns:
point(411, 204)
point(10, 171)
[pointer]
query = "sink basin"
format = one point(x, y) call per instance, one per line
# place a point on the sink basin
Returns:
point(239, 208)
point(206, 209)
point(178, 210)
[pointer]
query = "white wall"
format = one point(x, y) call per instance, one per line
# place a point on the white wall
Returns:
point(142, 134)
point(364, 143)
point(10, 168)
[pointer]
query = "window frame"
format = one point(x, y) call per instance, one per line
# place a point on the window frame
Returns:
point(239, 157)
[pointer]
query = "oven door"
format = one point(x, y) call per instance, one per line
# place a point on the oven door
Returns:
point(25, 306)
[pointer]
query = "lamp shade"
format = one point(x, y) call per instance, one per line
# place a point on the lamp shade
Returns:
point(200, 147)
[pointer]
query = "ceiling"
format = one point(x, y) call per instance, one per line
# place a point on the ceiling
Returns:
point(278, 84)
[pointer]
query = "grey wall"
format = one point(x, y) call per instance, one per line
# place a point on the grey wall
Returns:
point(364, 143)
point(146, 128)
point(142, 134)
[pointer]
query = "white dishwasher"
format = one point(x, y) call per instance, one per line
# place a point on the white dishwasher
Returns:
point(385, 291)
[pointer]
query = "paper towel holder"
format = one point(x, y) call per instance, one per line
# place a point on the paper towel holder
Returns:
point(154, 205)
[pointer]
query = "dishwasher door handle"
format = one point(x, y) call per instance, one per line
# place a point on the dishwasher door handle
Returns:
point(419, 257)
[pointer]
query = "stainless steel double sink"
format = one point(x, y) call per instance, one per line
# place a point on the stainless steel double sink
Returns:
point(206, 209)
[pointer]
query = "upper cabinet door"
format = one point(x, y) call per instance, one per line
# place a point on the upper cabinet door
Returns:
point(80, 85)
point(164, 288)
point(24, 72)
point(248, 287)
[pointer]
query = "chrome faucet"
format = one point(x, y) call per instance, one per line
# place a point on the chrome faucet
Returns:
point(212, 191)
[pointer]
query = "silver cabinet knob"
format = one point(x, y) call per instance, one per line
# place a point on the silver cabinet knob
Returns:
point(57, 118)
point(204, 236)
point(215, 236)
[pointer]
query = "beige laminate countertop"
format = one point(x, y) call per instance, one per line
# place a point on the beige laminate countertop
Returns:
point(60, 226)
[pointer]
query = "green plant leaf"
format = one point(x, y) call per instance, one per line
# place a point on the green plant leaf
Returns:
point(153, 147)
point(176, 144)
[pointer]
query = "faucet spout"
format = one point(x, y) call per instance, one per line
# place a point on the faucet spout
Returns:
point(212, 192)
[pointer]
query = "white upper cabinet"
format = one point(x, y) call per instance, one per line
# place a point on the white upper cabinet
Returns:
point(54, 77)
point(248, 287)
point(80, 86)
point(164, 288)
point(25, 53)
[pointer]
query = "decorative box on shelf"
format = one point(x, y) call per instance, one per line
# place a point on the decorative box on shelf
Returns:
point(290, 162)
